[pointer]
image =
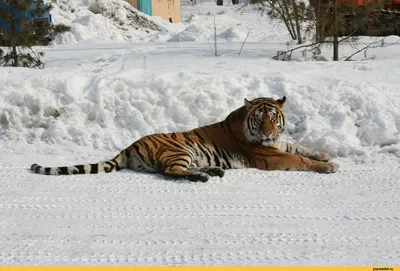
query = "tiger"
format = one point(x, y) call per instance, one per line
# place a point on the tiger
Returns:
point(249, 137)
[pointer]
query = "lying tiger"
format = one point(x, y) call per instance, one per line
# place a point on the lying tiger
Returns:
point(248, 138)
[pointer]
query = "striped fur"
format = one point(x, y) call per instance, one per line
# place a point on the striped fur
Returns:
point(248, 138)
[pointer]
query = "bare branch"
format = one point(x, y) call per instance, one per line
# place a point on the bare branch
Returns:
point(371, 45)
point(248, 32)
point(302, 46)
point(215, 37)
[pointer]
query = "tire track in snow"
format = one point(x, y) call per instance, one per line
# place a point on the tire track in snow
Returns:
point(249, 217)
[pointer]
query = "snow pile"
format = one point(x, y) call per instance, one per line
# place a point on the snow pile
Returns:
point(233, 22)
point(109, 102)
point(232, 34)
point(192, 33)
point(102, 19)
point(196, 32)
point(117, 20)
point(123, 14)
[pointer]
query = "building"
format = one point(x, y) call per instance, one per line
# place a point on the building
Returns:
point(169, 10)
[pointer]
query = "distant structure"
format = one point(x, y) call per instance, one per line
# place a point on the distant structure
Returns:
point(169, 10)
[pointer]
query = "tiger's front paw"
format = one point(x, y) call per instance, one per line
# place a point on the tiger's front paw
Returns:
point(215, 171)
point(321, 156)
point(328, 167)
point(199, 177)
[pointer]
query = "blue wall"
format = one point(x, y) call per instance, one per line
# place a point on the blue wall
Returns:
point(145, 6)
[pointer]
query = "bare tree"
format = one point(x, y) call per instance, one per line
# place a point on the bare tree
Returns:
point(215, 51)
point(331, 21)
point(338, 22)
point(290, 12)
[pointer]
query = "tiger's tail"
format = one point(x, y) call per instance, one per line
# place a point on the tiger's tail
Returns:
point(117, 163)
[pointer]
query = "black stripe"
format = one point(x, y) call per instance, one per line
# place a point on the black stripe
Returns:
point(138, 152)
point(63, 170)
point(216, 148)
point(81, 169)
point(47, 170)
point(111, 166)
point(205, 153)
point(188, 140)
point(230, 157)
point(231, 117)
point(175, 155)
point(199, 136)
point(117, 167)
point(177, 144)
point(249, 125)
point(94, 168)
point(178, 160)
point(216, 159)
point(127, 154)
point(153, 140)
point(150, 153)
point(228, 164)
point(37, 168)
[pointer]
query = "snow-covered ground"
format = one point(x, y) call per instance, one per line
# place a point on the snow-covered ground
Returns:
point(106, 86)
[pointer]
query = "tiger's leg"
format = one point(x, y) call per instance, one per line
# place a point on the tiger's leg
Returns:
point(301, 150)
point(196, 174)
point(278, 160)
point(178, 171)
point(180, 167)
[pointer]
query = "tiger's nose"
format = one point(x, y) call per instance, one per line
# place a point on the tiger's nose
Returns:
point(267, 134)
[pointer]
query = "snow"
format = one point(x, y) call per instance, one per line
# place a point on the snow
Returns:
point(232, 34)
point(192, 33)
point(127, 92)
point(105, 86)
point(102, 20)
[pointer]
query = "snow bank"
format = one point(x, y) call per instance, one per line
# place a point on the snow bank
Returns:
point(117, 20)
point(233, 22)
point(197, 32)
point(102, 20)
point(92, 96)
point(109, 106)
point(232, 34)
point(192, 33)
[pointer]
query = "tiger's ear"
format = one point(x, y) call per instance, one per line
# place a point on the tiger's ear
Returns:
point(281, 101)
point(247, 103)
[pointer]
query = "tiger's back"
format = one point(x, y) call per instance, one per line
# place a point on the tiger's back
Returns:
point(208, 146)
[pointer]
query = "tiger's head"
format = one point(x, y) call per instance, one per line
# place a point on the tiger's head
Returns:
point(264, 121)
